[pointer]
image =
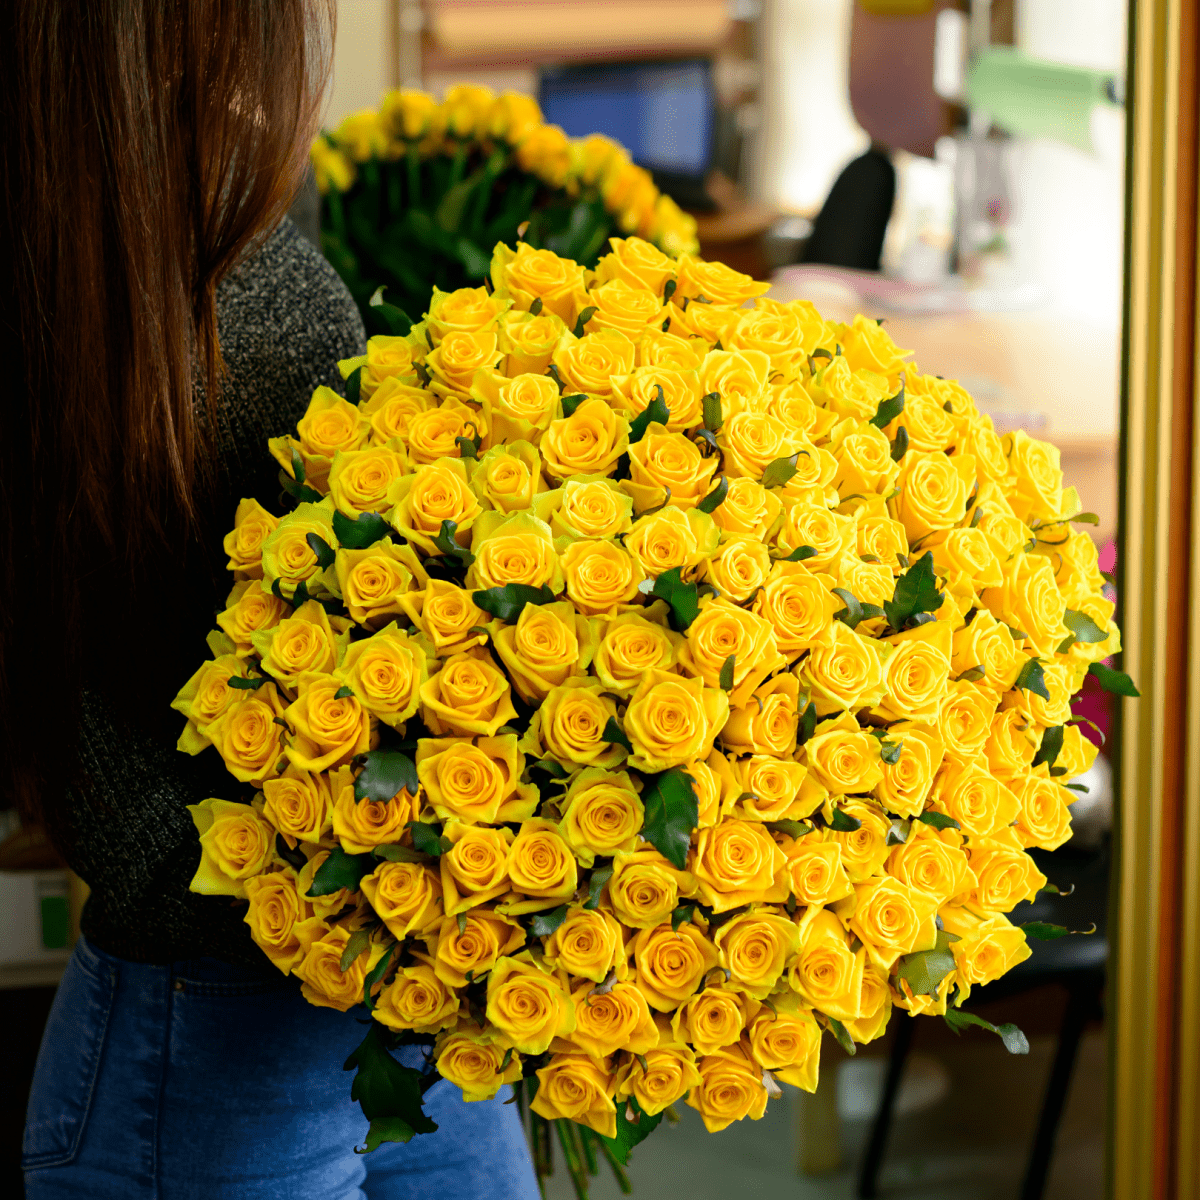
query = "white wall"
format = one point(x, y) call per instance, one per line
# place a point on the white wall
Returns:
point(361, 52)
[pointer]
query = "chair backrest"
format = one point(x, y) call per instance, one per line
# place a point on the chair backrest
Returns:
point(849, 229)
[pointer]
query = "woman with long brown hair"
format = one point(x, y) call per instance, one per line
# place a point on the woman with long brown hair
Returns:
point(158, 321)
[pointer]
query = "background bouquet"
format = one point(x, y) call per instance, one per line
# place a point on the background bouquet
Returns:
point(643, 679)
point(416, 193)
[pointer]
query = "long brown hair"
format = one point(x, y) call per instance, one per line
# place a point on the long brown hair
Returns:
point(145, 146)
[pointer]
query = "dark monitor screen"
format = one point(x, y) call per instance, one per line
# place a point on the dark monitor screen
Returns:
point(662, 113)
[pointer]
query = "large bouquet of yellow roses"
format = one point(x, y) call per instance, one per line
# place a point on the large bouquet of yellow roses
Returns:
point(416, 193)
point(646, 678)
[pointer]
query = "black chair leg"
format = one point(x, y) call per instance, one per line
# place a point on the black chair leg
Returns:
point(868, 1175)
point(1081, 1004)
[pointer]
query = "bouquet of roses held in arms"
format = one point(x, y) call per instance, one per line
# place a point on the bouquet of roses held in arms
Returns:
point(416, 193)
point(639, 684)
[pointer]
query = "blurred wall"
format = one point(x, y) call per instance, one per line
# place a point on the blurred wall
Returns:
point(363, 57)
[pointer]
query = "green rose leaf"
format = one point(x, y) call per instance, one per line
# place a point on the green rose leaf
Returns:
point(1116, 682)
point(354, 385)
point(359, 941)
point(343, 693)
point(389, 1093)
point(293, 857)
point(400, 854)
point(614, 734)
point(938, 820)
point(925, 970)
point(536, 307)
point(300, 492)
point(448, 546)
point(779, 471)
point(386, 773)
point(322, 549)
point(680, 915)
point(1046, 932)
point(890, 409)
point(572, 402)
point(1033, 679)
point(807, 725)
point(656, 411)
point(340, 870)
point(800, 554)
point(297, 466)
point(727, 669)
point(671, 814)
point(467, 447)
point(543, 924)
point(358, 534)
point(852, 614)
point(841, 1035)
point(1083, 628)
point(683, 598)
point(716, 497)
point(399, 323)
point(1015, 1042)
point(843, 822)
point(714, 417)
point(600, 876)
point(375, 974)
point(506, 603)
point(426, 839)
point(793, 829)
point(1051, 747)
point(629, 1133)
point(900, 445)
point(916, 592)
point(246, 684)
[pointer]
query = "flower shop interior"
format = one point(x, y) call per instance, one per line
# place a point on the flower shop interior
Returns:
point(957, 170)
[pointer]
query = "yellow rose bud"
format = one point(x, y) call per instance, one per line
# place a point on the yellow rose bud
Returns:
point(730, 1087)
point(772, 789)
point(513, 549)
point(672, 538)
point(1012, 743)
point(249, 610)
point(602, 813)
point(814, 869)
point(576, 1087)
point(722, 630)
point(933, 491)
point(826, 973)
point(676, 352)
point(754, 949)
point(465, 109)
point(308, 640)
point(473, 1061)
point(589, 943)
point(546, 152)
point(515, 409)
point(361, 135)
point(630, 645)
point(528, 1005)
point(637, 263)
point(466, 310)
point(324, 983)
point(407, 113)
point(906, 782)
point(845, 671)
point(588, 442)
point(474, 943)
point(645, 888)
point(299, 805)
point(446, 615)
point(739, 568)
point(864, 849)
point(475, 781)
point(607, 1022)
point(751, 441)
point(670, 963)
point(329, 731)
point(661, 1076)
point(766, 724)
point(988, 947)
point(1043, 818)
point(663, 461)
point(570, 724)
point(671, 721)
point(281, 923)
point(362, 825)
point(407, 897)
point(799, 605)
point(512, 117)
point(475, 868)
point(715, 282)
point(527, 274)
point(788, 1043)
point(469, 695)
point(587, 506)
point(243, 544)
point(235, 844)
point(737, 863)
point(246, 736)
point(1004, 875)
point(508, 477)
point(417, 999)
point(287, 556)
point(206, 697)
point(965, 721)
point(549, 644)
point(974, 797)
point(681, 393)
point(600, 575)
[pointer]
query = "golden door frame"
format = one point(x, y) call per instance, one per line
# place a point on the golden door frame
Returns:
point(1154, 982)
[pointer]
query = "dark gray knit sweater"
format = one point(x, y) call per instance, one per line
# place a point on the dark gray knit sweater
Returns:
point(285, 318)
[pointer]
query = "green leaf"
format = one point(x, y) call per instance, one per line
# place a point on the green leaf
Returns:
point(400, 854)
point(467, 447)
point(354, 385)
point(925, 970)
point(843, 822)
point(714, 416)
point(297, 466)
point(448, 546)
point(1083, 627)
point(293, 857)
point(399, 323)
point(916, 592)
point(246, 684)
point(536, 307)
point(364, 531)
point(321, 548)
point(360, 939)
point(716, 497)
point(680, 915)
point(971, 675)
point(900, 445)
point(1045, 932)
point(779, 471)
point(1015, 1042)
point(614, 734)
point(506, 603)
point(683, 598)
point(476, 262)
point(807, 724)
point(385, 774)
point(1051, 747)
point(890, 409)
point(389, 1093)
point(852, 614)
point(800, 554)
point(300, 492)
point(426, 838)
point(629, 1133)
point(572, 402)
point(889, 752)
point(375, 974)
point(340, 870)
point(600, 876)
point(655, 411)
point(795, 829)
point(841, 1035)
point(671, 814)
point(1116, 682)
point(938, 820)
point(728, 667)
point(543, 924)
point(898, 831)
point(1033, 679)
point(343, 693)
point(585, 315)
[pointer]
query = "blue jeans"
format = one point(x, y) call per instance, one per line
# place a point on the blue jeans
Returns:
point(206, 1081)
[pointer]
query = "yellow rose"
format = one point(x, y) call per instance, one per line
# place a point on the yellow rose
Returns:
point(363, 481)
point(630, 645)
point(600, 575)
point(788, 1043)
point(890, 918)
point(576, 1087)
point(737, 863)
point(588, 442)
point(722, 630)
point(791, 404)
point(1003, 874)
point(1012, 743)
point(875, 1005)
point(967, 559)
point(662, 462)
point(465, 310)
point(324, 983)
point(206, 697)
point(628, 308)
point(826, 973)
point(589, 943)
point(1037, 491)
point(849, 393)
point(447, 615)
point(672, 228)
point(248, 609)
point(772, 789)
point(799, 605)
point(548, 644)
point(546, 152)
point(435, 492)
point(362, 825)
point(331, 167)
point(308, 640)
point(407, 113)
point(755, 947)
point(863, 457)
point(607, 1022)
point(882, 538)
point(864, 849)
point(715, 282)
point(475, 781)
point(528, 343)
point(586, 506)
point(281, 923)
point(508, 477)
point(751, 441)
point(629, 192)
point(469, 695)
point(671, 721)
point(671, 538)
point(602, 813)
point(656, 348)
point(475, 868)
point(739, 378)
point(299, 805)
point(1029, 600)
point(243, 544)
point(1077, 754)
point(716, 788)
point(406, 897)
point(868, 346)
point(981, 441)
point(458, 357)
point(989, 645)
point(814, 869)
point(681, 393)
point(246, 736)
point(512, 117)
point(766, 724)
point(465, 109)
point(637, 263)
point(974, 797)
point(931, 429)
point(730, 1087)
point(235, 844)
point(988, 947)
point(933, 491)
point(517, 409)
point(1060, 683)
point(288, 559)
point(776, 330)
point(528, 1004)
point(1075, 560)
point(417, 999)
point(361, 135)
point(527, 275)
point(329, 731)
point(570, 723)
point(434, 434)
point(916, 673)
point(965, 721)
point(843, 757)
point(329, 425)
point(474, 1062)
point(1099, 610)
point(670, 963)
point(906, 782)
point(328, 906)
point(748, 509)
point(386, 358)
point(540, 862)
point(659, 1077)
point(807, 524)
point(645, 888)
point(474, 942)
point(739, 568)
point(376, 582)
point(845, 671)
point(1043, 818)
point(514, 549)
point(714, 1018)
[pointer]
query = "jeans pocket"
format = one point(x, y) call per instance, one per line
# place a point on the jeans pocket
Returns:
point(68, 1061)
